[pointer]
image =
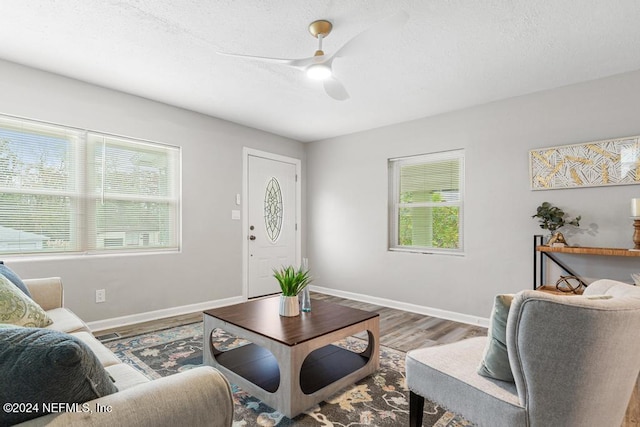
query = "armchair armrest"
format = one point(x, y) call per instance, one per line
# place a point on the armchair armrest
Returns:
point(47, 292)
point(198, 397)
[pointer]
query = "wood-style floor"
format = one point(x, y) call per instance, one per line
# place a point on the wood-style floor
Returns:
point(400, 330)
point(404, 331)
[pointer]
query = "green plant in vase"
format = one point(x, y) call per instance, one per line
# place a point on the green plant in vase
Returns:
point(552, 218)
point(292, 281)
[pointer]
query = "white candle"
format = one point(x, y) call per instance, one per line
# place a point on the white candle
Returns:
point(635, 208)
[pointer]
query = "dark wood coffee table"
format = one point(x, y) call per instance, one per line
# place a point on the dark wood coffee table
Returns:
point(291, 363)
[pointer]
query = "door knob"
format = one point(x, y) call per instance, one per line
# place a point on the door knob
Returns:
point(252, 237)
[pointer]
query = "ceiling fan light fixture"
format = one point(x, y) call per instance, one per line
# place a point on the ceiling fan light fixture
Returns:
point(318, 72)
point(319, 66)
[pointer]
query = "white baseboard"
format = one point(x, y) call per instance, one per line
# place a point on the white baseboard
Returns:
point(413, 308)
point(116, 322)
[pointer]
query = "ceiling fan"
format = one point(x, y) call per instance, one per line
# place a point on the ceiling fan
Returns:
point(319, 66)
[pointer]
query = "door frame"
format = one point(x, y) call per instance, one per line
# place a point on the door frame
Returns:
point(246, 152)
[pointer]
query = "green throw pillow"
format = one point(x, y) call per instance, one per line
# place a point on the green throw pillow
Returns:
point(495, 361)
point(18, 309)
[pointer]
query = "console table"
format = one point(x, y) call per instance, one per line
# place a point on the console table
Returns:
point(541, 252)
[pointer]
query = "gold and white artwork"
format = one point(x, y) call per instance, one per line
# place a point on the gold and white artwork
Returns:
point(593, 164)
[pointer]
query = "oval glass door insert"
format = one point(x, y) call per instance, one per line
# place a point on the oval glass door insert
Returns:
point(273, 209)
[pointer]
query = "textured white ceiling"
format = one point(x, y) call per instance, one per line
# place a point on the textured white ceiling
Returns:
point(449, 55)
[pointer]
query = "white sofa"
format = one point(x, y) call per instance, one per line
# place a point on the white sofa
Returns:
point(197, 397)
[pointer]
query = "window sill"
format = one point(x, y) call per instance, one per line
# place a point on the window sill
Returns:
point(74, 256)
point(427, 251)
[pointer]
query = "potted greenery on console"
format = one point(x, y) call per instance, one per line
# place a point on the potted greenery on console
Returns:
point(552, 218)
point(291, 282)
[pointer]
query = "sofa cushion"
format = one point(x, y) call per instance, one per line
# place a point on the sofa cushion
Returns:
point(18, 309)
point(14, 278)
point(104, 356)
point(64, 320)
point(495, 360)
point(44, 366)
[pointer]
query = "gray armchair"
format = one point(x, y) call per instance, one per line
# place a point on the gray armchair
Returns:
point(574, 360)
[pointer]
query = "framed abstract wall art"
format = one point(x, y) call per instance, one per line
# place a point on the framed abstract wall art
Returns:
point(591, 164)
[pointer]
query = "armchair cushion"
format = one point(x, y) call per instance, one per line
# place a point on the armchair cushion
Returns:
point(45, 366)
point(448, 375)
point(495, 359)
point(18, 309)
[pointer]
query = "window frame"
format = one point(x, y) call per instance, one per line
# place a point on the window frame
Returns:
point(83, 215)
point(394, 204)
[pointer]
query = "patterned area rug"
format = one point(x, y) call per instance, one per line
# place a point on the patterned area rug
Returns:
point(381, 399)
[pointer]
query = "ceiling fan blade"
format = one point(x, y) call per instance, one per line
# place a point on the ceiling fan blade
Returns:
point(259, 58)
point(335, 89)
point(371, 37)
point(305, 62)
point(296, 63)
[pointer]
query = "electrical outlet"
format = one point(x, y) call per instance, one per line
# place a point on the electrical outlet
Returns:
point(101, 295)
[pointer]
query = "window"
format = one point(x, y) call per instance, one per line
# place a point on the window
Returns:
point(426, 196)
point(70, 190)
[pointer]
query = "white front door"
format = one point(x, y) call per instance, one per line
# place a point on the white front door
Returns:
point(271, 221)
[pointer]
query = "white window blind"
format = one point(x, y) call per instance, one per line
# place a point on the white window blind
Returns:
point(69, 190)
point(135, 194)
point(426, 199)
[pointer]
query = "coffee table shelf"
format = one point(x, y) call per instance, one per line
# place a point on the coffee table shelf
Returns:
point(327, 365)
point(322, 367)
point(253, 363)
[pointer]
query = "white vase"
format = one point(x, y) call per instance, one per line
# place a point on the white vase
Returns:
point(289, 306)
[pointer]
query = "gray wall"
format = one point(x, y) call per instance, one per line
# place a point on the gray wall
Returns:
point(347, 198)
point(210, 265)
point(346, 187)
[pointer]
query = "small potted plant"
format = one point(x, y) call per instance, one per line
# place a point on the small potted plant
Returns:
point(553, 218)
point(291, 281)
